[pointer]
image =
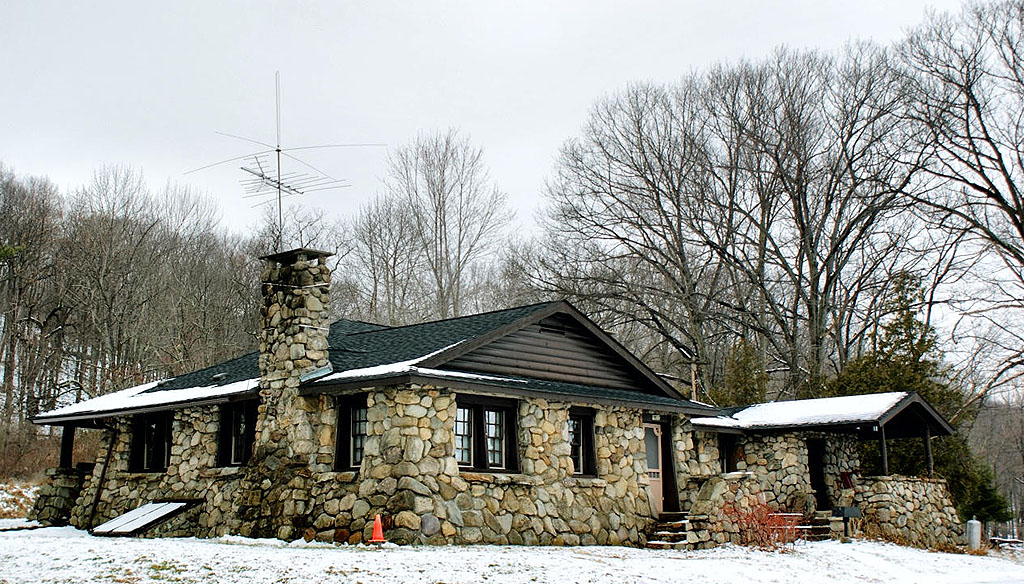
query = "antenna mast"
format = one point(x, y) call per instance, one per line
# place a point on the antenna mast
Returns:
point(280, 214)
point(264, 181)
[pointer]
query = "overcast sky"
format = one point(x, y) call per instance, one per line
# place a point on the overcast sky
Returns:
point(148, 84)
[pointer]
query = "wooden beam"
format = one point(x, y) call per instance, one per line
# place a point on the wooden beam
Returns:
point(67, 446)
point(885, 452)
point(928, 449)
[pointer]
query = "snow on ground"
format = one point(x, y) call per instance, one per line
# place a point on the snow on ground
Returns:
point(16, 500)
point(68, 555)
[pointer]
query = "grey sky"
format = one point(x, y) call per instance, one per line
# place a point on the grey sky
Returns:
point(148, 84)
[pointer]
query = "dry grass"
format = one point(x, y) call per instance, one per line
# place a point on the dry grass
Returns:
point(16, 500)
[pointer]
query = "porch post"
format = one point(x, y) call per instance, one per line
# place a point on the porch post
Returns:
point(928, 450)
point(67, 445)
point(885, 452)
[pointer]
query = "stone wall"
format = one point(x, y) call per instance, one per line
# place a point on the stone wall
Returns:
point(719, 508)
point(409, 475)
point(909, 511)
point(192, 474)
point(696, 459)
point(841, 456)
point(779, 461)
point(57, 496)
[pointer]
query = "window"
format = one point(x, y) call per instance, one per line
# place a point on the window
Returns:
point(237, 432)
point(464, 436)
point(151, 442)
point(581, 441)
point(352, 430)
point(730, 452)
point(485, 434)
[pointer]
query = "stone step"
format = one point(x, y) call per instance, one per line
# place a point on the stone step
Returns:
point(670, 536)
point(667, 545)
point(670, 516)
point(674, 525)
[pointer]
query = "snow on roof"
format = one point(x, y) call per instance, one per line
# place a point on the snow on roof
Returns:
point(849, 409)
point(138, 397)
point(388, 369)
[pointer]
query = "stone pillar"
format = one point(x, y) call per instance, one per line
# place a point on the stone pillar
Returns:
point(57, 496)
point(275, 492)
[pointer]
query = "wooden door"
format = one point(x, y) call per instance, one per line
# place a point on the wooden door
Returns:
point(652, 442)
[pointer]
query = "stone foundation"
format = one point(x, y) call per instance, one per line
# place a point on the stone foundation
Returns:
point(909, 511)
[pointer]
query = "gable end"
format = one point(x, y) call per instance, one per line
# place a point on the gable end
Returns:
point(555, 348)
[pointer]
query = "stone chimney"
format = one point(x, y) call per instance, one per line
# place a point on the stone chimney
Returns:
point(294, 320)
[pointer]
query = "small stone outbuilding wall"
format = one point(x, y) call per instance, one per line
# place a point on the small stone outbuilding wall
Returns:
point(909, 511)
point(696, 460)
point(780, 462)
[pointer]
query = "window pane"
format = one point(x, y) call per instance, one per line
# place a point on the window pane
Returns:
point(576, 443)
point(358, 435)
point(494, 422)
point(238, 428)
point(653, 449)
point(464, 436)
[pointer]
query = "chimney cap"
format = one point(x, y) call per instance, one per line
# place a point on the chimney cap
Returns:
point(295, 255)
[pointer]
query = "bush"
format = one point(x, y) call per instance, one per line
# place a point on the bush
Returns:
point(761, 526)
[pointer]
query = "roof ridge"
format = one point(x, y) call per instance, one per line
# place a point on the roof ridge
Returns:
point(356, 320)
point(465, 316)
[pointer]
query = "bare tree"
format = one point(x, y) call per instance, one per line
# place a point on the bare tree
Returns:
point(969, 71)
point(387, 261)
point(458, 214)
point(760, 201)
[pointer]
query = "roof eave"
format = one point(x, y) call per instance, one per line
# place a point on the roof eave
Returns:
point(496, 387)
point(44, 420)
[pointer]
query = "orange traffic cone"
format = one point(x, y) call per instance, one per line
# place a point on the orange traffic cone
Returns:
point(378, 531)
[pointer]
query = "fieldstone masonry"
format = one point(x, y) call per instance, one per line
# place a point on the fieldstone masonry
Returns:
point(910, 511)
point(56, 498)
point(277, 483)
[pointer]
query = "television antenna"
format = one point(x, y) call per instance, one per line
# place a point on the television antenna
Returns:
point(265, 181)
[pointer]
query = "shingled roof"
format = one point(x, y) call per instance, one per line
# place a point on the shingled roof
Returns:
point(365, 354)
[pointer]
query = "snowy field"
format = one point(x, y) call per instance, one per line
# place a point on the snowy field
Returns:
point(68, 555)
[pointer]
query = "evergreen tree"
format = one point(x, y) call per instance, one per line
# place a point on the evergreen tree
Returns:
point(745, 380)
point(906, 359)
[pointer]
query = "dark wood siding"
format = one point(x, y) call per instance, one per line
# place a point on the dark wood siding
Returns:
point(556, 349)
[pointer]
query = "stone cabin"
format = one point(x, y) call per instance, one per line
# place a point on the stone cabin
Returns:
point(521, 426)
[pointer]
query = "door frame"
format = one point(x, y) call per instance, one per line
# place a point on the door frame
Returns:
point(669, 484)
point(816, 472)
